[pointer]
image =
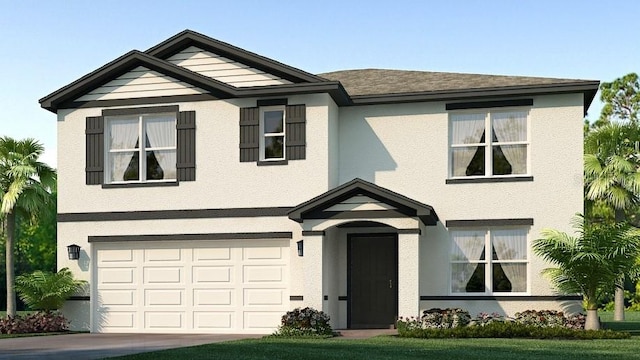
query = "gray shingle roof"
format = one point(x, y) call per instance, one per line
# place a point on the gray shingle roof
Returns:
point(382, 81)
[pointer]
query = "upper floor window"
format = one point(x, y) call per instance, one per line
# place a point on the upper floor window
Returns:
point(272, 139)
point(489, 261)
point(492, 143)
point(140, 148)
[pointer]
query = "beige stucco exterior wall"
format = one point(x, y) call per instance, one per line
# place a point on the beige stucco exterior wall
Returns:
point(405, 149)
point(222, 181)
point(401, 147)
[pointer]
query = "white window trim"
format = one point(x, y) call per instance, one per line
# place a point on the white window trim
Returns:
point(488, 273)
point(264, 109)
point(488, 144)
point(142, 158)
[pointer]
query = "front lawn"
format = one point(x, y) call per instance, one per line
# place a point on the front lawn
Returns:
point(389, 347)
point(631, 323)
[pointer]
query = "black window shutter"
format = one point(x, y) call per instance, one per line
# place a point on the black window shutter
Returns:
point(249, 134)
point(94, 166)
point(186, 151)
point(296, 132)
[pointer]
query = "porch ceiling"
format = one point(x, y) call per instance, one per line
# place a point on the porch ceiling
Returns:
point(401, 206)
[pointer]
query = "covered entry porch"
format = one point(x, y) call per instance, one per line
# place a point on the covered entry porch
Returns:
point(361, 254)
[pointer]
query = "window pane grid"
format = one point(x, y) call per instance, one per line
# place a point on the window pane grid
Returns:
point(503, 271)
point(479, 155)
point(272, 133)
point(144, 162)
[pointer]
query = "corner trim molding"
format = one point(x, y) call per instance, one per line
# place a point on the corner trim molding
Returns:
point(489, 222)
point(189, 237)
point(173, 214)
point(503, 298)
point(489, 180)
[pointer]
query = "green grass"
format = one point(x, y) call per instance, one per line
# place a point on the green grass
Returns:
point(630, 324)
point(3, 314)
point(389, 347)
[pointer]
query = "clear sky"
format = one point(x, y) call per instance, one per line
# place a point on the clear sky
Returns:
point(47, 44)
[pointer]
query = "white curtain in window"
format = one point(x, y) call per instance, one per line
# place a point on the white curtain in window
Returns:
point(123, 135)
point(161, 133)
point(512, 126)
point(466, 129)
point(512, 245)
point(467, 246)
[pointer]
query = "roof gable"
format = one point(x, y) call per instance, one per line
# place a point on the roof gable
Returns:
point(188, 38)
point(124, 64)
point(223, 69)
point(389, 201)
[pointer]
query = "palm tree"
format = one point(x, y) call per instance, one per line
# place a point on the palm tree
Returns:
point(47, 291)
point(611, 164)
point(591, 262)
point(612, 179)
point(25, 185)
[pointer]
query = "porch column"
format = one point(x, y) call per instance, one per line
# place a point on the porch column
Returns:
point(312, 267)
point(408, 274)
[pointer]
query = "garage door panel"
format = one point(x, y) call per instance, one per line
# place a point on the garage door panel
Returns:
point(117, 297)
point(115, 256)
point(164, 255)
point(207, 297)
point(116, 276)
point(160, 297)
point(118, 320)
point(254, 273)
point(164, 320)
point(212, 274)
point(163, 275)
point(259, 253)
point(253, 297)
point(234, 286)
point(260, 320)
point(209, 254)
point(213, 320)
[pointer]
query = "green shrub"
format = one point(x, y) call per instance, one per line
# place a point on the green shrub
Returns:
point(507, 330)
point(40, 322)
point(436, 318)
point(305, 322)
point(43, 290)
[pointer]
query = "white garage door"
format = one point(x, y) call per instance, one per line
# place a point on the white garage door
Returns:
point(235, 286)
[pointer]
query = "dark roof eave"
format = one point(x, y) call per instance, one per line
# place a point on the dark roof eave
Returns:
point(333, 88)
point(186, 38)
point(588, 88)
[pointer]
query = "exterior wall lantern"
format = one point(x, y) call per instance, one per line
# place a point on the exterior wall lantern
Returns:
point(74, 252)
point(300, 248)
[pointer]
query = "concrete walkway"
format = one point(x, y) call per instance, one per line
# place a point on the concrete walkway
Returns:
point(99, 346)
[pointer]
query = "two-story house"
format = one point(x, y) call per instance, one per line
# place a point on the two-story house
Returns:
point(211, 189)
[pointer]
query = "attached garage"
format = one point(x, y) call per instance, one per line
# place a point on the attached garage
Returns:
point(218, 286)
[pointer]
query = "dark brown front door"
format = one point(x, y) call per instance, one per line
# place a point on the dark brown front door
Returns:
point(372, 280)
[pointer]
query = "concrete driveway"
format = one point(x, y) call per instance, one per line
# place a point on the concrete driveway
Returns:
point(99, 346)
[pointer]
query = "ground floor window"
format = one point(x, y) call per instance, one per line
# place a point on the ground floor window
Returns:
point(487, 261)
